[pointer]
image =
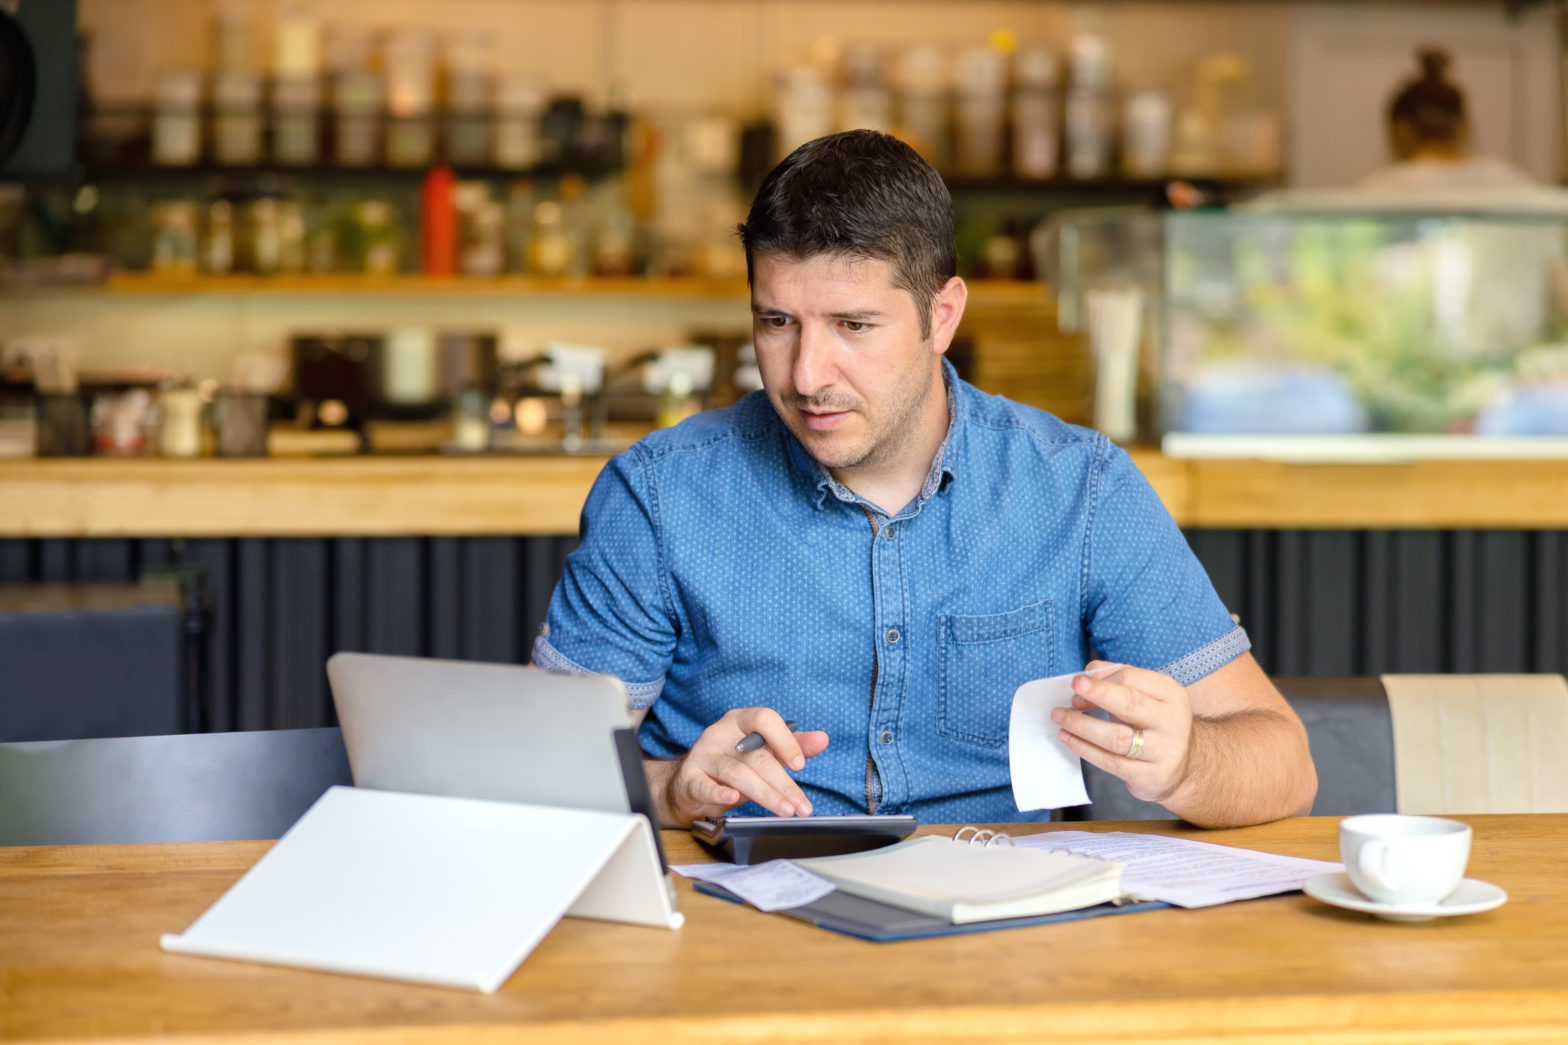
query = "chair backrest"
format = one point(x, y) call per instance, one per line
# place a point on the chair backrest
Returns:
point(1352, 739)
point(192, 787)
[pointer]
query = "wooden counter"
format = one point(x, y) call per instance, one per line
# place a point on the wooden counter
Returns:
point(440, 496)
point(81, 962)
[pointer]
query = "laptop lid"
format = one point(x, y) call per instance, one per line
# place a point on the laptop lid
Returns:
point(498, 731)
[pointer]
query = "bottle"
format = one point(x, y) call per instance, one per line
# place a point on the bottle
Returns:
point(438, 223)
point(1089, 115)
point(410, 87)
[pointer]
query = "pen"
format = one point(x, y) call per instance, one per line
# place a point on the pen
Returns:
point(752, 741)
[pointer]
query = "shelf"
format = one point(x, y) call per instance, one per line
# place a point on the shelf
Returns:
point(982, 292)
point(433, 495)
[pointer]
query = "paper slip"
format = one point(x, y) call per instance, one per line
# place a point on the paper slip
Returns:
point(1183, 872)
point(1046, 774)
point(773, 886)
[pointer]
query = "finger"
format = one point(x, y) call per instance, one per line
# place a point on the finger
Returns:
point(1095, 755)
point(767, 767)
point(1115, 737)
point(812, 742)
point(700, 789)
point(743, 778)
point(1125, 702)
point(775, 732)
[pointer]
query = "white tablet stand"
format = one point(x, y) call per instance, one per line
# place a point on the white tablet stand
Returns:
point(448, 891)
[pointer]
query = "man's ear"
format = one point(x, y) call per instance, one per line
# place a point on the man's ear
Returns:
point(947, 310)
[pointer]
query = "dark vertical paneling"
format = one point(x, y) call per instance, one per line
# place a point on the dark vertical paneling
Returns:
point(1291, 626)
point(56, 561)
point(253, 684)
point(104, 561)
point(444, 583)
point(16, 560)
point(1503, 583)
point(1463, 603)
point(1332, 608)
point(1259, 615)
point(1221, 553)
point(1419, 603)
point(1376, 598)
point(395, 596)
point(153, 555)
point(491, 599)
point(298, 634)
point(215, 559)
point(1549, 603)
point(347, 594)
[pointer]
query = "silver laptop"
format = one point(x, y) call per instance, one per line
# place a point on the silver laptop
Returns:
point(496, 731)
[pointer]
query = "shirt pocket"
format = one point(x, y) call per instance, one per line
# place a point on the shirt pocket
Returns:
point(982, 660)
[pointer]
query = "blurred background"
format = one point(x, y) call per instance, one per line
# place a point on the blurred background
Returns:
point(317, 318)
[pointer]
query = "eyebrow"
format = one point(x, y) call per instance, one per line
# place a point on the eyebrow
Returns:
point(854, 316)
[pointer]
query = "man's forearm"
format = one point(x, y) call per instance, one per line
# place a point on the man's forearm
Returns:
point(1244, 768)
point(660, 771)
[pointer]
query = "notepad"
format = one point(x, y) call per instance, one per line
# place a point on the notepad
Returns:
point(965, 883)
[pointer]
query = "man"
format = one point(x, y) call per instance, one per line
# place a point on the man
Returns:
point(883, 554)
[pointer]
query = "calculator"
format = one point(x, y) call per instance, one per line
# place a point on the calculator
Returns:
point(757, 839)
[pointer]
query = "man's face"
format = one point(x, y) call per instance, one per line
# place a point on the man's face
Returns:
point(842, 358)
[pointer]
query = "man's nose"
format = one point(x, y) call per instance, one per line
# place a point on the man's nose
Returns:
point(814, 366)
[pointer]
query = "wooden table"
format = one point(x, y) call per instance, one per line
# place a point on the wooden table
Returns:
point(79, 960)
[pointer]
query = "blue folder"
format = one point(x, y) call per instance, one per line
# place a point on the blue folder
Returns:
point(870, 920)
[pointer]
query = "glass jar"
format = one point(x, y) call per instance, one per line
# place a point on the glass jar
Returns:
point(174, 245)
point(519, 104)
point(923, 103)
point(236, 140)
point(981, 75)
point(1036, 113)
point(410, 87)
point(468, 97)
point(357, 104)
point(219, 248)
point(296, 121)
point(176, 128)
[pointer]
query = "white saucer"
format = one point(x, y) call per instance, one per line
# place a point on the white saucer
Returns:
point(1471, 896)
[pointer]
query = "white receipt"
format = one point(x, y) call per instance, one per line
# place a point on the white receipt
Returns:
point(1046, 774)
point(1183, 872)
point(772, 886)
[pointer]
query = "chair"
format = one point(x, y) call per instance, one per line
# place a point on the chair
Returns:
point(194, 787)
point(131, 680)
point(1352, 738)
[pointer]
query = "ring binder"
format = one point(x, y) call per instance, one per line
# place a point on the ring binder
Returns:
point(983, 836)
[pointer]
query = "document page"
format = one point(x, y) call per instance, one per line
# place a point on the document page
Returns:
point(1046, 774)
point(773, 886)
point(1183, 872)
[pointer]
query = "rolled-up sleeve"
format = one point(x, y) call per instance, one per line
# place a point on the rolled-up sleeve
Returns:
point(611, 611)
point(1148, 601)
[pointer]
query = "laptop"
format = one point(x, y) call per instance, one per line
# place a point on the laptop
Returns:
point(495, 731)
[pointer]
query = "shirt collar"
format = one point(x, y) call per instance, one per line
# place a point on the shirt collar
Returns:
point(938, 478)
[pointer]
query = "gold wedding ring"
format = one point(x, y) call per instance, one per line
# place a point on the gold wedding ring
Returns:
point(1136, 745)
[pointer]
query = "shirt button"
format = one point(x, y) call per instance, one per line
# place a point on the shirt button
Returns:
point(886, 736)
point(887, 531)
point(892, 635)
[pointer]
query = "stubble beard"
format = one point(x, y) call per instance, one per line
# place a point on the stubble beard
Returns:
point(887, 439)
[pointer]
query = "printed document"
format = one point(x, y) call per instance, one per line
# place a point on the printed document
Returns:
point(773, 886)
point(1046, 774)
point(1183, 872)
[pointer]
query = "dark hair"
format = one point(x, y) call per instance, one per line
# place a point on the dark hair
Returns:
point(1431, 106)
point(859, 194)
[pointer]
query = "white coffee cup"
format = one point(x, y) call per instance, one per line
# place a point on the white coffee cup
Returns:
point(1404, 859)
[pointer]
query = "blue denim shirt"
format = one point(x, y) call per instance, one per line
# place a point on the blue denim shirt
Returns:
point(721, 567)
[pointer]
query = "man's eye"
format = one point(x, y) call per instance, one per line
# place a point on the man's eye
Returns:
point(774, 321)
point(854, 327)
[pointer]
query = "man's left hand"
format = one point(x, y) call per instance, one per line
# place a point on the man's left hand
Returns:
point(1148, 740)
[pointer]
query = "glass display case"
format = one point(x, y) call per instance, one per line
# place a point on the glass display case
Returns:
point(1285, 331)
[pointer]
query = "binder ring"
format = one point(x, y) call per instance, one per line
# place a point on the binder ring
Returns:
point(984, 837)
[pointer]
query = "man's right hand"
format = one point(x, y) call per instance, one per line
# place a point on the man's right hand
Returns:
point(714, 778)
